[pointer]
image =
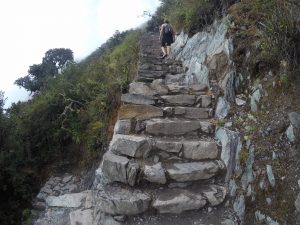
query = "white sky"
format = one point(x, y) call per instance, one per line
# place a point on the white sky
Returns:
point(31, 27)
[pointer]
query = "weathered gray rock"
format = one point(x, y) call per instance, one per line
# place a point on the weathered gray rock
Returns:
point(114, 167)
point(247, 177)
point(141, 112)
point(178, 201)
point(132, 173)
point(265, 219)
point(192, 113)
point(141, 88)
point(290, 134)
point(200, 150)
point(239, 207)
point(122, 127)
point(171, 79)
point(168, 145)
point(74, 200)
point(205, 101)
point(295, 119)
point(231, 147)
point(137, 99)
point(115, 200)
point(82, 217)
point(270, 175)
point(179, 99)
point(215, 194)
point(171, 127)
point(255, 97)
point(222, 108)
point(159, 87)
point(129, 145)
point(155, 173)
point(193, 171)
point(297, 203)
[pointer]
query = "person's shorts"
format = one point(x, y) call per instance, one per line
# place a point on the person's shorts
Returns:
point(167, 40)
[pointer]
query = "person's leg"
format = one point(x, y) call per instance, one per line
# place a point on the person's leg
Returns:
point(163, 50)
point(168, 50)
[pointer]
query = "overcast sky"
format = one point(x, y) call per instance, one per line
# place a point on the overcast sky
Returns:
point(31, 27)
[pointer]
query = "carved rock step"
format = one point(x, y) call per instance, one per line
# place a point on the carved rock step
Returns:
point(144, 112)
point(178, 127)
point(116, 200)
point(134, 146)
point(193, 171)
point(157, 87)
point(121, 200)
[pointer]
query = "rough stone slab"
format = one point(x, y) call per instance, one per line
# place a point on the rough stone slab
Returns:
point(68, 200)
point(159, 87)
point(179, 99)
point(141, 88)
point(206, 101)
point(115, 200)
point(177, 201)
point(198, 150)
point(114, 167)
point(129, 145)
point(141, 112)
point(82, 217)
point(155, 173)
point(122, 127)
point(168, 145)
point(171, 127)
point(137, 99)
point(215, 194)
point(193, 171)
point(192, 113)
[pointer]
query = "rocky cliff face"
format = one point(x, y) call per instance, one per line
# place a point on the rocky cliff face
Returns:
point(178, 155)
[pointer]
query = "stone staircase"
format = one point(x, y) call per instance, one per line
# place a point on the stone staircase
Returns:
point(163, 157)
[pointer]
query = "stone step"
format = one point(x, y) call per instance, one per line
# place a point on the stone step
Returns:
point(178, 127)
point(115, 168)
point(137, 99)
point(157, 87)
point(203, 101)
point(193, 171)
point(141, 146)
point(117, 200)
point(176, 201)
point(144, 112)
point(121, 200)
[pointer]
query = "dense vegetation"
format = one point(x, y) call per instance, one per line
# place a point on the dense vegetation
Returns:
point(67, 120)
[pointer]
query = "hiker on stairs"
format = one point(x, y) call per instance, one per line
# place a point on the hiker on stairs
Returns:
point(166, 37)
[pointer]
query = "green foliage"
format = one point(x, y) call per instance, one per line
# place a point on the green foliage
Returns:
point(270, 29)
point(38, 74)
point(71, 117)
point(188, 15)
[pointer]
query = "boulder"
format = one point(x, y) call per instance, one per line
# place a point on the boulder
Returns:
point(129, 145)
point(222, 108)
point(198, 150)
point(297, 203)
point(177, 201)
point(115, 200)
point(193, 171)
